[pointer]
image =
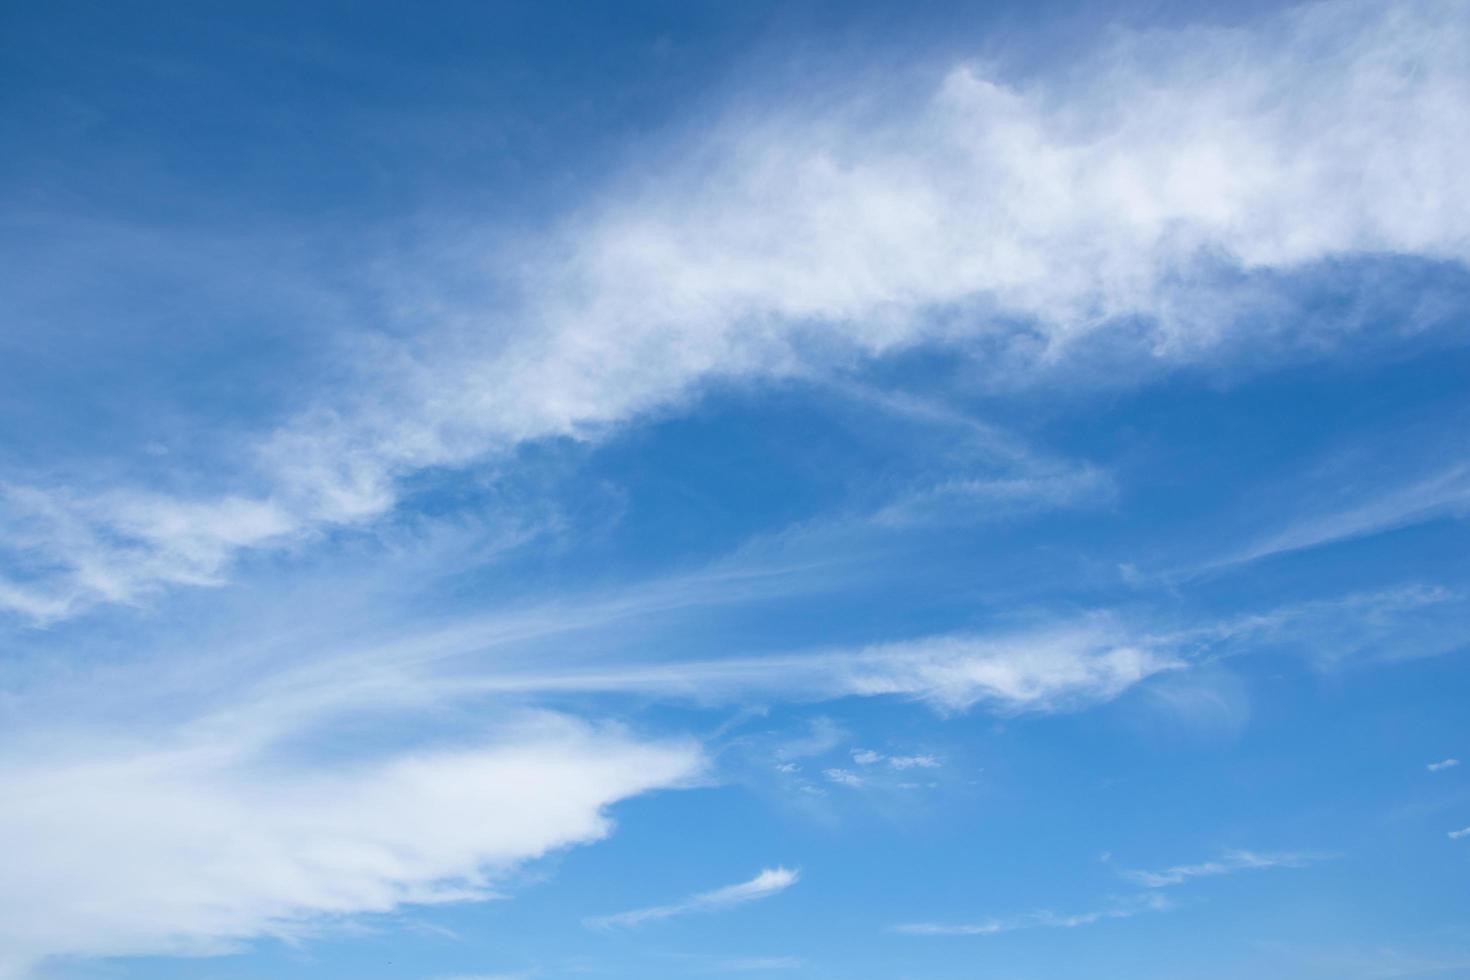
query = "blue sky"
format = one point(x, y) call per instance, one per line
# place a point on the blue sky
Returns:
point(652, 490)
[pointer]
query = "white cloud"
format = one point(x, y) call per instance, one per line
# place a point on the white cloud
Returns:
point(1228, 863)
point(117, 545)
point(1042, 671)
point(843, 777)
point(1036, 920)
point(1077, 663)
point(1444, 493)
point(190, 849)
point(1153, 199)
point(770, 881)
point(1396, 623)
point(867, 757)
point(1442, 765)
point(1457, 834)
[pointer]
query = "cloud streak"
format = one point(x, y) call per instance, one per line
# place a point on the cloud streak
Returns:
point(1228, 863)
point(1442, 494)
point(1043, 671)
point(1036, 920)
point(771, 881)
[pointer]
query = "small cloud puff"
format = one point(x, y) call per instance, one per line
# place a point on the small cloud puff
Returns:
point(867, 757)
point(1443, 764)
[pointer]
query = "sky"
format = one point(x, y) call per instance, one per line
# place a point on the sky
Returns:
point(845, 491)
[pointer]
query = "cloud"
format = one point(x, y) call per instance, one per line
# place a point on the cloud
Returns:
point(1153, 204)
point(118, 544)
point(1457, 834)
point(843, 777)
point(1441, 494)
point(751, 964)
point(1394, 964)
point(1036, 920)
point(1042, 671)
point(770, 881)
point(194, 847)
point(822, 736)
point(867, 757)
point(1228, 863)
point(1397, 623)
point(1068, 666)
point(1442, 765)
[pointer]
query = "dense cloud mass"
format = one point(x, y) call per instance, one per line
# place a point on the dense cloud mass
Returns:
point(189, 849)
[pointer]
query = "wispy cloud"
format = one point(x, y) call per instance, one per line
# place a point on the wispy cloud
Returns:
point(843, 777)
point(1457, 834)
point(1037, 920)
point(1392, 624)
point(822, 735)
point(1159, 212)
point(770, 881)
point(1441, 494)
point(1228, 863)
point(1047, 670)
point(867, 757)
point(752, 964)
point(1442, 765)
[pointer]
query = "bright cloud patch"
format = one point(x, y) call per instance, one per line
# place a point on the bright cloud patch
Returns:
point(190, 851)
